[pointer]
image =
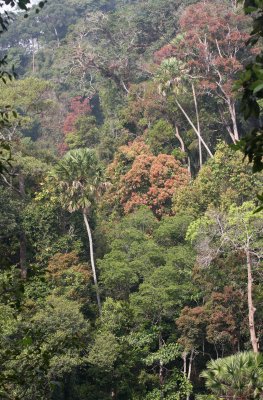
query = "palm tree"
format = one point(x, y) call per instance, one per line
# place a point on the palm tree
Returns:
point(79, 177)
point(238, 377)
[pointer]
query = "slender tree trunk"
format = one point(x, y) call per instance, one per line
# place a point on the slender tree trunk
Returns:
point(92, 260)
point(23, 264)
point(234, 119)
point(200, 153)
point(184, 357)
point(35, 47)
point(189, 166)
point(182, 147)
point(21, 182)
point(232, 111)
point(251, 308)
point(180, 139)
point(191, 359)
point(217, 356)
point(161, 369)
point(194, 128)
point(22, 236)
point(190, 364)
point(198, 127)
point(229, 130)
point(33, 62)
point(57, 37)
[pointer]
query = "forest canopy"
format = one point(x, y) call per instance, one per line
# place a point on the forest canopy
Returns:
point(130, 249)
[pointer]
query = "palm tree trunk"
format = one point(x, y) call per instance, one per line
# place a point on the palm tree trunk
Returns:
point(251, 308)
point(92, 260)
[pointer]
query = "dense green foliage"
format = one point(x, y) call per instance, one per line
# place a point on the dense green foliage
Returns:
point(130, 254)
point(251, 82)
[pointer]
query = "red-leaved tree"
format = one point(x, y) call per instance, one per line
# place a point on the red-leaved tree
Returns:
point(77, 107)
point(212, 44)
point(141, 178)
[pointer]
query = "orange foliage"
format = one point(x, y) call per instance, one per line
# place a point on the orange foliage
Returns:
point(142, 178)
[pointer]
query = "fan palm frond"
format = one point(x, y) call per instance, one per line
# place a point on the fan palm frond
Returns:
point(236, 377)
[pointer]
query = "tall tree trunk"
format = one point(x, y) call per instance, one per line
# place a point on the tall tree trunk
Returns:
point(57, 37)
point(200, 153)
point(92, 260)
point(22, 236)
point(184, 357)
point(23, 264)
point(161, 366)
point(251, 308)
point(191, 359)
point(33, 62)
point(194, 128)
point(182, 147)
point(198, 127)
point(180, 139)
point(190, 364)
point(189, 166)
point(21, 182)
point(232, 111)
